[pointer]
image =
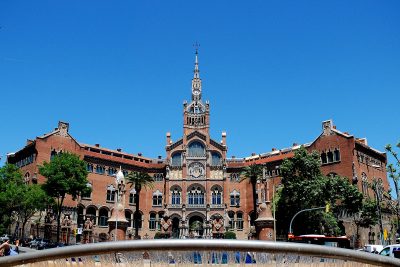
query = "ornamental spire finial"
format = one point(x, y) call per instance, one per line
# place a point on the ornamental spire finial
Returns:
point(196, 46)
point(196, 81)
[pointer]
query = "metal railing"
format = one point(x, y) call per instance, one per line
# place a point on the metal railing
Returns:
point(330, 255)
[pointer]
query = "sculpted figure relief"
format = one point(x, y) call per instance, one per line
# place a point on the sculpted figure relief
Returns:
point(165, 224)
point(217, 224)
point(88, 224)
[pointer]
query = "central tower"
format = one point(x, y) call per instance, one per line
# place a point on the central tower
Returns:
point(196, 170)
point(196, 114)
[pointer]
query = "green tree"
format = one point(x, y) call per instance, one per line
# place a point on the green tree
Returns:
point(139, 180)
point(253, 173)
point(394, 174)
point(229, 235)
point(11, 194)
point(367, 216)
point(35, 199)
point(66, 175)
point(304, 186)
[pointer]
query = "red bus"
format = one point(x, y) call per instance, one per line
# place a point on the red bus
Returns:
point(331, 241)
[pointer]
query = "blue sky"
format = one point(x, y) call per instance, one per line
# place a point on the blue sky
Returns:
point(118, 71)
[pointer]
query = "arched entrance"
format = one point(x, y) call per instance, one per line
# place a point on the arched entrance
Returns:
point(196, 227)
point(175, 227)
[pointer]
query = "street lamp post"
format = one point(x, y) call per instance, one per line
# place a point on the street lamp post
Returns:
point(290, 226)
point(116, 208)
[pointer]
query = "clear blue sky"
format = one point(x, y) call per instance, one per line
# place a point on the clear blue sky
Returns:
point(118, 71)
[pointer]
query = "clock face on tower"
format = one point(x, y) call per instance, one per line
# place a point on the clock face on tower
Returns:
point(196, 92)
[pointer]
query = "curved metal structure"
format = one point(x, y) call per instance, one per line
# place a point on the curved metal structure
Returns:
point(201, 245)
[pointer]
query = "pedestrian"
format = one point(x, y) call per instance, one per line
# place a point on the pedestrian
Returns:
point(7, 250)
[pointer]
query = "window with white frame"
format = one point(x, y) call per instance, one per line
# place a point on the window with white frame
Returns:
point(88, 194)
point(216, 195)
point(196, 196)
point(110, 193)
point(235, 198)
point(157, 199)
point(152, 221)
point(158, 177)
point(239, 220)
point(132, 196)
point(176, 195)
point(103, 217)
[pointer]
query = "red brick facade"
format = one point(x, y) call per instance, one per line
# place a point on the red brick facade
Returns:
point(195, 183)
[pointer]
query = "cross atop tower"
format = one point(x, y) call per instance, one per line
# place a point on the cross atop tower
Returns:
point(196, 46)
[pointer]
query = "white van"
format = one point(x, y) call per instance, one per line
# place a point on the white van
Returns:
point(388, 250)
point(373, 248)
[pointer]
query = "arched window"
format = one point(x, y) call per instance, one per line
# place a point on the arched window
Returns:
point(53, 154)
point(132, 196)
point(364, 184)
point(239, 220)
point(91, 213)
point(323, 158)
point(26, 177)
point(103, 217)
point(231, 216)
point(235, 198)
point(332, 174)
point(152, 221)
point(336, 155)
point(329, 156)
point(216, 195)
point(100, 169)
point(196, 149)
point(176, 159)
point(111, 193)
point(215, 159)
point(112, 171)
point(158, 177)
point(157, 199)
point(176, 195)
point(128, 216)
point(89, 167)
point(195, 196)
point(87, 195)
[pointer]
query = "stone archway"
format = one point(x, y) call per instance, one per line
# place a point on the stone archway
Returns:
point(196, 226)
point(175, 227)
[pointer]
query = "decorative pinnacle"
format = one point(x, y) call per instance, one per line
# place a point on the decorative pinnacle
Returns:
point(196, 45)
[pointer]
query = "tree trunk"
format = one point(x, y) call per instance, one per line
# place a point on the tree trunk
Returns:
point(59, 218)
point(254, 189)
point(136, 215)
point(23, 229)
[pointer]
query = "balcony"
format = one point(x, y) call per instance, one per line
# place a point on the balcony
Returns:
point(197, 206)
point(217, 206)
point(175, 206)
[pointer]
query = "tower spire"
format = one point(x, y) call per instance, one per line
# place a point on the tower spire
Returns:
point(196, 81)
point(196, 61)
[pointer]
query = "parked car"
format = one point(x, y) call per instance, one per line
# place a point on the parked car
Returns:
point(38, 243)
point(389, 250)
point(45, 244)
point(4, 238)
point(373, 248)
point(25, 242)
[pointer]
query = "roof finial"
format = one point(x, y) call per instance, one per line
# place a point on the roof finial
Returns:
point(196, 46)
